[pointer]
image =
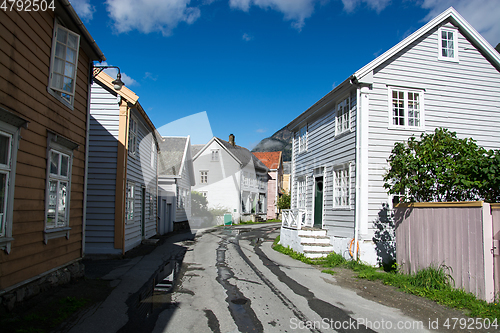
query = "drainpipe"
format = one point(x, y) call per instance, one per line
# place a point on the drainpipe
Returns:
point(357, 215)
point(87, 140)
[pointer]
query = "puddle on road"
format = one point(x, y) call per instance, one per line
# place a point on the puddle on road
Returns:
point(239, 306)
point(154, 297)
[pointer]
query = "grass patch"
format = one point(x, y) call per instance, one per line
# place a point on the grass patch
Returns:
point(434, 283)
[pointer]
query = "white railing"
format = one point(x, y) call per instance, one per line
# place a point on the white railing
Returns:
point(293, 218)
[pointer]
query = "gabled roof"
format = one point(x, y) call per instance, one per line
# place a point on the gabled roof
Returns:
point(365, 74)
point(171, 155)
point(450, 14)
point(240, 154)
point(175, 155)
point(270, 159)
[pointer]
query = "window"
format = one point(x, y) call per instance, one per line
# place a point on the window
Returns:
point(5, 170)
point(58, 186)
point(10, 125)
point(303, 139)
point(341, 187)
point(448, 45)
point(301, 193)
point(63, 64)
point(343, 119)
point(132, 136)
point(215, 155)
point(57, 212)
point(407, 107)
point(129, 209)
point(204, 177)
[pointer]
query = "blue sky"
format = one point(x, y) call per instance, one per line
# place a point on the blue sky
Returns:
point(253, 65)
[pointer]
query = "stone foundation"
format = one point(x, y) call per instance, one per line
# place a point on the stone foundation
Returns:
point(46, 281)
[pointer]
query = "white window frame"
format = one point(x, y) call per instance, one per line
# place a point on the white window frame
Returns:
point(55, 87)
point(342, 187)
point(302, 139)
point(5, 169)
point(215, 155)
point(343, 116)
point(203, 176)
point(130, 202)
point(10, 126)
point(63, 147)
point(406, 108)
point(132, 136)
point(454, 47)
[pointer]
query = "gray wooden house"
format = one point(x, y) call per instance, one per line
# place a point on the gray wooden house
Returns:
point(443, 75)
point(175, 178)
point(122, 183)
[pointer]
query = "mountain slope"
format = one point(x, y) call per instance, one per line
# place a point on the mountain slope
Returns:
point(279, 141)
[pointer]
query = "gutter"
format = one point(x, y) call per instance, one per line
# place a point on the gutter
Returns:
point(83, 29)
point(357, 215)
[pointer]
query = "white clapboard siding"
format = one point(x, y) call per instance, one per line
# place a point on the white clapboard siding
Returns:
point(325, 150)
point(463, 97)
point(143, 174)
point(101, 184)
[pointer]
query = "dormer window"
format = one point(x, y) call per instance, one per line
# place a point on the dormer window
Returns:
point(448, 44)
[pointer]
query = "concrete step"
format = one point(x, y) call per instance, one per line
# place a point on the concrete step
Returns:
point(315, 239)
point(312, 232)
point(316, 254)
point(317, 248)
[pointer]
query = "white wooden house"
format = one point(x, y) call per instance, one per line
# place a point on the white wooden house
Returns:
point(175, 179)
point(122, 182)
point(443, 75)
point(232, 179)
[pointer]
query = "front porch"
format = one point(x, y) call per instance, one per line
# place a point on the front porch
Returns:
point(297, 234)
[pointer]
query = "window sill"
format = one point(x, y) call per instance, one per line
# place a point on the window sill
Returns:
point(56, 233)
point(60, 99)
point(407, 128)
point(5, 243)
point(344, 133)
point(448, 59)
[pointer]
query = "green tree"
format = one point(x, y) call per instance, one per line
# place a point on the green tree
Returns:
point(284, 201)
point(442, 167)
point(199, 204)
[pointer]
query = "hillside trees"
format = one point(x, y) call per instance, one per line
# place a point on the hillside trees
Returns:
point(442, 167)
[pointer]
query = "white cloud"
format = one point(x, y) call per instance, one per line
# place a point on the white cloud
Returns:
point(151, 15)
point(377, 5)
point(294, 10)
point(483, 15)
point(246, 37)
point(129, 81)
point(84, 9)
point(150, 76)
point(261, 130)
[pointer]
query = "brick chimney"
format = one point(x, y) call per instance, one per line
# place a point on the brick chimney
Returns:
point(231, 140)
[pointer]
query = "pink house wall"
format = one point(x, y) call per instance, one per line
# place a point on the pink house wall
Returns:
point(272, 199)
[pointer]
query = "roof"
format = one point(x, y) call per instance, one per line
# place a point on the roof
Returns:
point(270, 159)
point(195, 149)
point(243, 155)
point(171, 155)
point(240, 154)
point(365, 74)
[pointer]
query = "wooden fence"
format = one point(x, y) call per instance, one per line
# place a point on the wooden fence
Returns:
point(459, 235)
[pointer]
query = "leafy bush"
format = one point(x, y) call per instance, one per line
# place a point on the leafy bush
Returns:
point(442, 167)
